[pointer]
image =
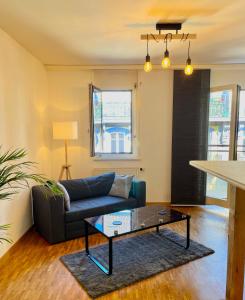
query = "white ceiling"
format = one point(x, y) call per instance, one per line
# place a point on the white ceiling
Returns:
point(91, 32)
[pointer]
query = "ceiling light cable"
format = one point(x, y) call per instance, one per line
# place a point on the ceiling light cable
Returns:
point(186, 38)
point(189, 49)
point(156, 40)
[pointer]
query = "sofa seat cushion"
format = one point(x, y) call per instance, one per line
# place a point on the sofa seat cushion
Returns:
point(85, 208)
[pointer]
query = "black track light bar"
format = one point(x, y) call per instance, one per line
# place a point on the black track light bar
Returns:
point(168, 26)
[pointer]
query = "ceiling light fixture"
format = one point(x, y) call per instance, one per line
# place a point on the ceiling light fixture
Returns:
point(188, 68)
point(168, 37)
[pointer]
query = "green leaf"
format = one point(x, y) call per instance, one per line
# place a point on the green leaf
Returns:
point(4, 227)
point(12, 155)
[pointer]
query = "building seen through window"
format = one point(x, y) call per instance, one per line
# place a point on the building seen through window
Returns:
point(112, 122)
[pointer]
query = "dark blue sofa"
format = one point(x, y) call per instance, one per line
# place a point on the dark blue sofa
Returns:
point(56, 224)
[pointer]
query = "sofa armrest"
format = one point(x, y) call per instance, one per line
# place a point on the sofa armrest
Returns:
point(48, 214)
point(138, 191)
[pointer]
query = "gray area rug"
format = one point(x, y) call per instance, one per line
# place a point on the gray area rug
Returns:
point(134, 259)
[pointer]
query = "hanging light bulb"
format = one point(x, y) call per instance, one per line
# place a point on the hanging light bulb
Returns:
point(166, 60)
point(188, 68)
point(147, 65)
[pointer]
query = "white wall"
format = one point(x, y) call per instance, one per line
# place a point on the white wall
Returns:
point(23, 123)
point(69, 100)
point(228, 76)
point(156, 97)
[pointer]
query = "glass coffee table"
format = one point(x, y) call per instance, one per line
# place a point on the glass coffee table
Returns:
point(129, 221)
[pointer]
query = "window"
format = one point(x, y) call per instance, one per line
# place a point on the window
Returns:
point(225, 136)
point(220, 103)
point(111, 122)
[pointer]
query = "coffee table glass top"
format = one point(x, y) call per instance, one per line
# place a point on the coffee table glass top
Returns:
point(132, 220)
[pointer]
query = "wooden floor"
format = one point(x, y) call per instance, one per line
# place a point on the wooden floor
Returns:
point(32, 270)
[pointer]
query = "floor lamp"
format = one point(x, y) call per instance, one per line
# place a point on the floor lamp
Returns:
point(65, 131)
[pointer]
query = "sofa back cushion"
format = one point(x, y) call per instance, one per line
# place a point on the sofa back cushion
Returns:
point(89, 187)
point(121, 186)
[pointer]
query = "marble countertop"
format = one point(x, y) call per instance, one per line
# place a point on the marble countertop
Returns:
point(231, 171)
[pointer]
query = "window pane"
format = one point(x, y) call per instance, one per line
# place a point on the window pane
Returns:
point(116, 122)
point(121, 142)
point(113, 143)
point(218, 138)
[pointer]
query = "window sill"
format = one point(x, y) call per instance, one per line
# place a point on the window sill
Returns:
point(116, 158)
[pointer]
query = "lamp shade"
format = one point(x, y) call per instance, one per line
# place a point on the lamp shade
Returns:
point(65, 130)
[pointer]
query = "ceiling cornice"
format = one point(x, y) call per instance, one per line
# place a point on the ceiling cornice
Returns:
point(140, 67)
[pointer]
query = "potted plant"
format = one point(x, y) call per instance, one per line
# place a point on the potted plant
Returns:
point(16, 174)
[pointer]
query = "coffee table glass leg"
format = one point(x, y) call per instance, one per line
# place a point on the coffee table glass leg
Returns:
point(104, 269)
point(188, 233)
point(110, 257)
point(86, 238)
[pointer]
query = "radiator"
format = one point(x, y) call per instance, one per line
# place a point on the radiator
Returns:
point(121, 171)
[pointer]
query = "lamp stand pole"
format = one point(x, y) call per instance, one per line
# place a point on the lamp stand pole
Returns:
point(65, 168)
